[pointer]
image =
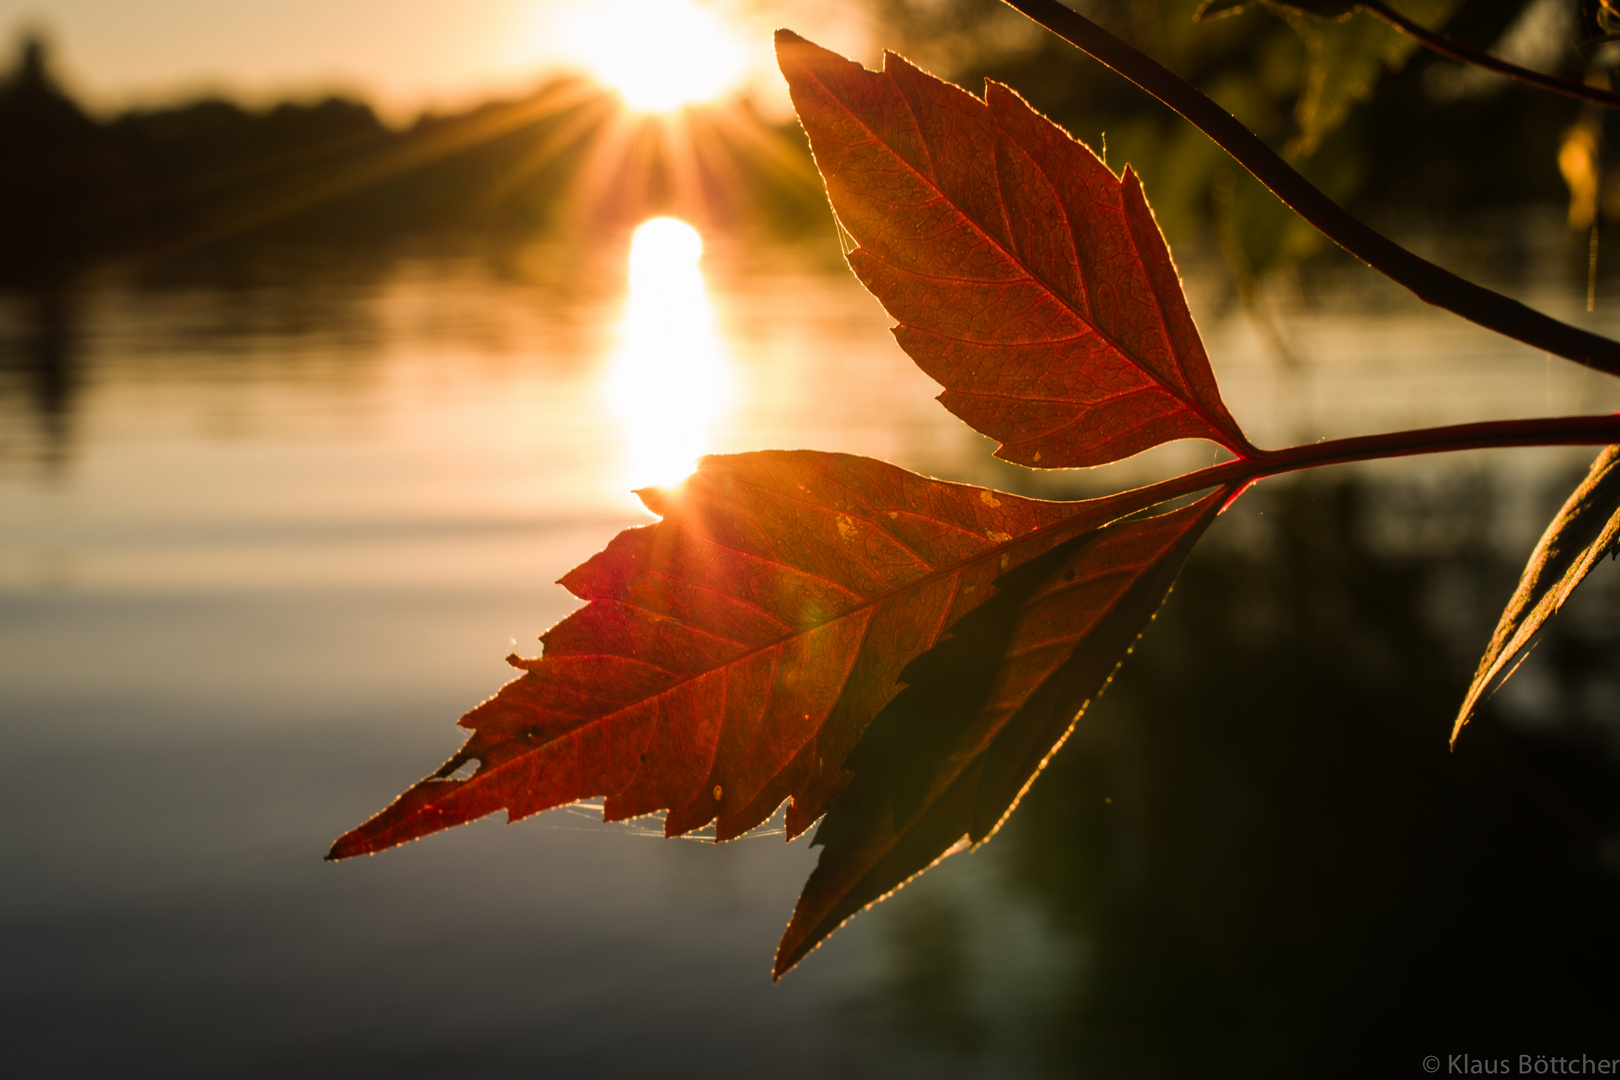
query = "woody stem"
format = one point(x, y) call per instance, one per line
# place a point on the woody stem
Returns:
point(1240, 472)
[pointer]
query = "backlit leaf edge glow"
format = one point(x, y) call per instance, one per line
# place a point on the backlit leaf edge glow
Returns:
point(1585, 529)
point(897, 653)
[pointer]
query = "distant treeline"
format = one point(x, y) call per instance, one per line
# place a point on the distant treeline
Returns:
point(1360, 111)
point(75, 190)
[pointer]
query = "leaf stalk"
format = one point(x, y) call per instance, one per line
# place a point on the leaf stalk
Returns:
point(1242, 472)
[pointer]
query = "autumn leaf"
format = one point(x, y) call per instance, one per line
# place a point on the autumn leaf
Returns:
point(1027, 279)
point(730, 655)
point(1582, 532)
point(946, 761)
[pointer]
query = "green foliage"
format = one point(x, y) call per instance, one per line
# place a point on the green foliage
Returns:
point(1348, 55)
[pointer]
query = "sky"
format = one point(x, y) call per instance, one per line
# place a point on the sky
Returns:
point(403, 55)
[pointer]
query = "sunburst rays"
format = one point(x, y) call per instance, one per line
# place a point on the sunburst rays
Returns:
point(600, 166)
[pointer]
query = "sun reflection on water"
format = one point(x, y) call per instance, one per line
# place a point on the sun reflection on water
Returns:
point(669, 378)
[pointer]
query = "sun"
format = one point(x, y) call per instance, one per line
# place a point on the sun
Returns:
point(657, 55)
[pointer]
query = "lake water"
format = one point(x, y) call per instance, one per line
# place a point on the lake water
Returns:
point(268, 527)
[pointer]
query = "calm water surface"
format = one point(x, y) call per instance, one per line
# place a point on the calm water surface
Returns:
point(266, 531)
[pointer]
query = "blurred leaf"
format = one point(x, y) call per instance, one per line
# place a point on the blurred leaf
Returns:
point(1586, 529)
point(1348, 55)
point(945, 762)
point(1347, 58)
point(1027, 278)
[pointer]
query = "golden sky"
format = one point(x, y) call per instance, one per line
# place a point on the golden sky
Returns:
point(406, 55)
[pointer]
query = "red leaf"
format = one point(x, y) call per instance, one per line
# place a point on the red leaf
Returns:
point(730, 655)
point(1027, 279)
point(946, 761)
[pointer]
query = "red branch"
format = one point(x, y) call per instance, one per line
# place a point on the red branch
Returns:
point(1493, 434)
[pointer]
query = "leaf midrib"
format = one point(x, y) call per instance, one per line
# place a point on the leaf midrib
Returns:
point(938, 573)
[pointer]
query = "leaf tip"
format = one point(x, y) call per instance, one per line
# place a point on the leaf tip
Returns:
point(1463, 717)
point(346, 847)
point(787, 959)
point(787, 43)
point(655, 499)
